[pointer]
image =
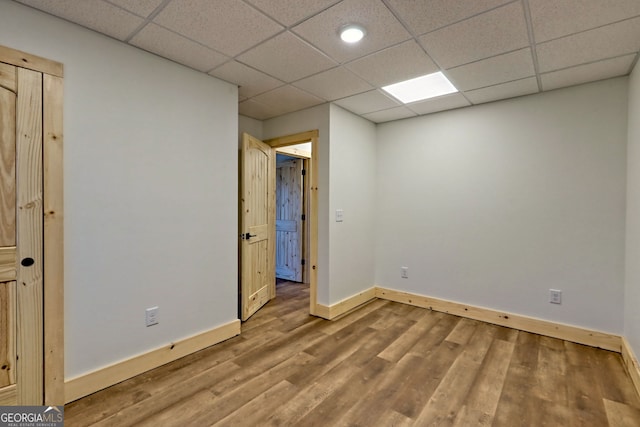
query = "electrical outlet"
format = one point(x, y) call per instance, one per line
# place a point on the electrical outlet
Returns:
point(404, 272)
point(151, 316)
point(555, 296)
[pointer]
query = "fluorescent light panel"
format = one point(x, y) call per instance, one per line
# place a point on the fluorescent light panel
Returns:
point(423, 87)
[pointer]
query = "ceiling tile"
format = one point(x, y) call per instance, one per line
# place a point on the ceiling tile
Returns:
point(96, 15)
point(488, 72)
point(503, 91)
point(367, 102)
point(139, 7)
point(390, 114)
point(552, 18)
point(489, 34)
point(441, 103)
point(160, 41)
point(587, 73)
point(291, 12)
point(604, 42)
point(394, 64)
point(428, 15)
point(228, 26)
point(286, 99)
point(287, 58)
point(255, 110)
point(383, 29)
point(251, 82)
point(334, 84)
point(481, 44)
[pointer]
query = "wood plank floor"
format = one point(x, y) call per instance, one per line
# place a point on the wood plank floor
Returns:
point(385, 364)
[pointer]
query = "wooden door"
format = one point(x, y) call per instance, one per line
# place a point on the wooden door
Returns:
point(21, 236)
point(289, 211)
point(257, 225)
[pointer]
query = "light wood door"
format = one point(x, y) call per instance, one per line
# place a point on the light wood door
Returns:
point(289, 211)
point(257, 225)
point(21, 236)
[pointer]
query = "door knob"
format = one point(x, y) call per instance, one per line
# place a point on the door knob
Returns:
point(248, 236)
point(27, 262)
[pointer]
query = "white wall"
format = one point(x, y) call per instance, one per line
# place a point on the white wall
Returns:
point(302, 121)
point(150, 191)
point(251, 126)
point(352, 183)
point(632, 289)
point(495, 204)
point(346, 158)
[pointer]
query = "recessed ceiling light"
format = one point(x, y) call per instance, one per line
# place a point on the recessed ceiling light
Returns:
point(420, 88)
point(352, 33)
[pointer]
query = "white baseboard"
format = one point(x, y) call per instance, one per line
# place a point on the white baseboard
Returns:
point(84, 385)
point(523, 323)
point(631, 363)
point(348, 304)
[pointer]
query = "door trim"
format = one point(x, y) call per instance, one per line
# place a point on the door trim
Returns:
point(294, 139)
point(53, 241)
point(30, 62)
point(53, 235)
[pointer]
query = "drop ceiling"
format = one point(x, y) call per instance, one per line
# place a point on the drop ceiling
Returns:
point(286, 55)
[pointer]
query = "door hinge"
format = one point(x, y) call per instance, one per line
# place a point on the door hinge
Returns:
point(304, 217)
point(304, 172)
point(302, 262)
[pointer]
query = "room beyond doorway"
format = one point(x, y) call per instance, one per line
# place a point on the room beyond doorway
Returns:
point(291, 218)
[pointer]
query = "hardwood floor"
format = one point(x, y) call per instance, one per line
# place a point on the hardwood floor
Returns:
point(385, 364)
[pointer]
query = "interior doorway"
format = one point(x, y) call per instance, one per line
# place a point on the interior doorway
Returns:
point(303, 146)
point(292, 213)
point(257, 218)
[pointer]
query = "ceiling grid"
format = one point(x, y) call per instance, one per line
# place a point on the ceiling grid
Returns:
point(287, 56)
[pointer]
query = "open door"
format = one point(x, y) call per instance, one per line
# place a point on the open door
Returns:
point(257, 225)
point(21, 236)
point(31, 230)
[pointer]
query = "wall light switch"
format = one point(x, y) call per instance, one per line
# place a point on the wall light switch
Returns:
point(339, 215)
point(151, 316)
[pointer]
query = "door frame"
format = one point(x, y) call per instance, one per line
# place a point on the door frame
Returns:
point(312, 173)
point(53, 219)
